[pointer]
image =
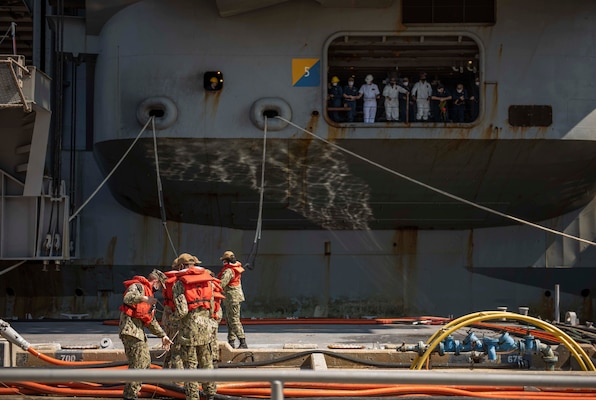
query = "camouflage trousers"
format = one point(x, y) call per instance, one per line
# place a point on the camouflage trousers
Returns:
point(201, 357)
point(172, 358)
point(235, 329)
point(137, 353)
point(214, 345)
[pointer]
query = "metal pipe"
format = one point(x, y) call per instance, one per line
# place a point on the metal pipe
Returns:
point(557, 309)
point(8, 333)
point(14, 37)
point(519, 378)
point(277, 390)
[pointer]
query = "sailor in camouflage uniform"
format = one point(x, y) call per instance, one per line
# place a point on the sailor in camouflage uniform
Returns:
point(195, 337)
point(230, 277)
point(171, 325)
point(137, 312)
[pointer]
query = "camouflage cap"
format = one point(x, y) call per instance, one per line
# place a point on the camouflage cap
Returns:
point(160, 275)
point(186, 258)
point(227, 255)
point(197, 261)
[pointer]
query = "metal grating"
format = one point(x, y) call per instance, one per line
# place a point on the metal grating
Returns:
point(9, 91)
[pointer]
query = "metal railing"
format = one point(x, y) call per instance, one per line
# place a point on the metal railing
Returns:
point(12, 69)
point(277, 377)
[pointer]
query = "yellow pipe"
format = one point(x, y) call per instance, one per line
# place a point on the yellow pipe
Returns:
point(571, 345)
point(463, 321)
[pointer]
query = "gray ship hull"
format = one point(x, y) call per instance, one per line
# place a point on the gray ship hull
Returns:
point(342, 234)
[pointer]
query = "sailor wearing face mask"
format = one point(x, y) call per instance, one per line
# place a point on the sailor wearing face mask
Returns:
point(460, 98)
point(335, 97)
point(350, 97)
point(422, 92)
point(370, 92)
point(391, 93)
point(136, 313)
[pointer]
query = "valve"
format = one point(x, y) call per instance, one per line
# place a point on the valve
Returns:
point(47, 243)
point(419, 348)
point(531, 345)
point(450, 345)
point(490, 348)
point(507, 343)
point(471, 342)
point(57, 242)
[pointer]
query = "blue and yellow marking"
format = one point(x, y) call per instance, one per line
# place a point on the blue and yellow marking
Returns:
point(306, 72)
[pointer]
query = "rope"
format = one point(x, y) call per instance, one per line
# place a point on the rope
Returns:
point(162, 209)
point(12, 267)
point(111, 172)
point(253, 252)
point(490, 210)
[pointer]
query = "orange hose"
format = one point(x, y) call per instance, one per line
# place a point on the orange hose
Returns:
point(84, 385)
point(428, 320)
point(409, 390)
point(43, 388)
point(263, 390)
point(40, 388)
point(520, 331)
point(55, 361)
point(356, 386)
point(9, 390)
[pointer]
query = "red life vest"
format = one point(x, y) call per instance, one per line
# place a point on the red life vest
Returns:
point(236, 269)
point(143, 311)
point(167, 294)
point(201, 289)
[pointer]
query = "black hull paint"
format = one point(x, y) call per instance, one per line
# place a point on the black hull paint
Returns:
point(312, 185)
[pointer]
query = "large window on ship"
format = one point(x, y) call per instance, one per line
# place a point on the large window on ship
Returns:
point(450, 62)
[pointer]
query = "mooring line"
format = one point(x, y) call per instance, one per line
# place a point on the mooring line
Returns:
point(434, 189)
point(112, 171)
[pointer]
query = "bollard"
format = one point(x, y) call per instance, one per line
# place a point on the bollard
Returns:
point(502, 309)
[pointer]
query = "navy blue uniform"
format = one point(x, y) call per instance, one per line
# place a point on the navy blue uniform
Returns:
point(335, 94)
point(459, 105)
point(439, 103)
point(351, 91)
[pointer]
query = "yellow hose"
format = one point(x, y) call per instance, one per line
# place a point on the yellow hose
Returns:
point(461, 320)
point(454, 322)
point(470, 319)
point(577, 351)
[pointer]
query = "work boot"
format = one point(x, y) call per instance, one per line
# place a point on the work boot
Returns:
point(232, 343)
point(242, 343)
